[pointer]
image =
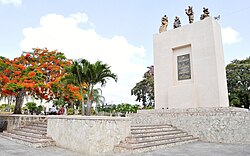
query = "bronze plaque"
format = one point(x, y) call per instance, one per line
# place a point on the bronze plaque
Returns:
point(183, 66)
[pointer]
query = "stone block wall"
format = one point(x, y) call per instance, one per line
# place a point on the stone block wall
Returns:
point(17, 120)
point(88, 135)
point(221, 125)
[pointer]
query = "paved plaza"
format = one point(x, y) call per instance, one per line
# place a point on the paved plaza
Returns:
point(202, 149)
point(9, 148)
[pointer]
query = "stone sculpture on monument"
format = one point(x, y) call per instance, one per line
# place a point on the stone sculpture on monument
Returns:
point(164, 24)
point(177, 22)
point(190, 14)
point(205, 13)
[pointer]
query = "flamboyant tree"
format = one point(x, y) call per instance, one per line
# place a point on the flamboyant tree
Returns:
point(33, 73)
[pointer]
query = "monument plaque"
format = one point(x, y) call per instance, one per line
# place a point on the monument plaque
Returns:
point(183, 67)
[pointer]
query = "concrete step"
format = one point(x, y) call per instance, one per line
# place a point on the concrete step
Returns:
point(27, 141)
point(151, 130)
point(29, 137)
point(32, 134)
point(150, 125)
point(149, 137)
point(138, 148)
point(26, 130)
point(148, 143)
point(33, 129)
point(157, 136)
point(154, 138)
point(28, 134)
point(156, 133)
point(38, 124)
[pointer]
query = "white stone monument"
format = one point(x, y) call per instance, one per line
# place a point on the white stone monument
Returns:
point(189, 69)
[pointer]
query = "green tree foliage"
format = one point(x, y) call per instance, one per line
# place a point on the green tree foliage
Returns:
point(126, 108)
point(144, 90)
point(238, 81)
point(120, 108)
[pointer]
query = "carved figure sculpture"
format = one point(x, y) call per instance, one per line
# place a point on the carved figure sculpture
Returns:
point(190, 14)
point(177, 22)
point(205, 13)
point(164, 24)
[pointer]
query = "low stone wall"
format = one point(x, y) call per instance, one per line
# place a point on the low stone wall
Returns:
point(225, 125)
point(88, 135)
point(17, 120)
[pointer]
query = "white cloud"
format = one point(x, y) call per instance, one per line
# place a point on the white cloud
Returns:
point(80, 17)
point(11, 2)
point(63, 33)
point(229, 35)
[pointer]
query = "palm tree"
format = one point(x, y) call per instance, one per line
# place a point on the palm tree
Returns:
point(76, 76)
point(97, 98)
point(83, 72)
point(96, 73)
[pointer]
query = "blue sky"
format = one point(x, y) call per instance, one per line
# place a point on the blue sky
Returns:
point(118, 32)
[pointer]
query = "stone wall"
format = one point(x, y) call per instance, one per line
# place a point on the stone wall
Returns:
point(88, 135)
point(225, 125)
point(17, 120)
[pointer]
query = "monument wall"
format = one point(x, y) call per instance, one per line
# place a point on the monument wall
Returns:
point(189, 70)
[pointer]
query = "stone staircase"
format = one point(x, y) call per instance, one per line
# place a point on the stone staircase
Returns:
point(33, 134)
point(150, 137)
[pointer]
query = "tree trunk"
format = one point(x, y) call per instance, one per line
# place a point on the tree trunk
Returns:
point(9, 103)
point(19, 102)
point(246, 104)
point(83, 109)
point(88, 113)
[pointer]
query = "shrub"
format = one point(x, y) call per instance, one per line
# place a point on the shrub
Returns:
point(31, 106)
point(120, 108)
point(93, 112)
point(71, 111)
point(39, 109)
point(3, 107)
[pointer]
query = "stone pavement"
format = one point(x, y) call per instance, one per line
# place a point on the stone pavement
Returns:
point(9, 148)
point(202, 149)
